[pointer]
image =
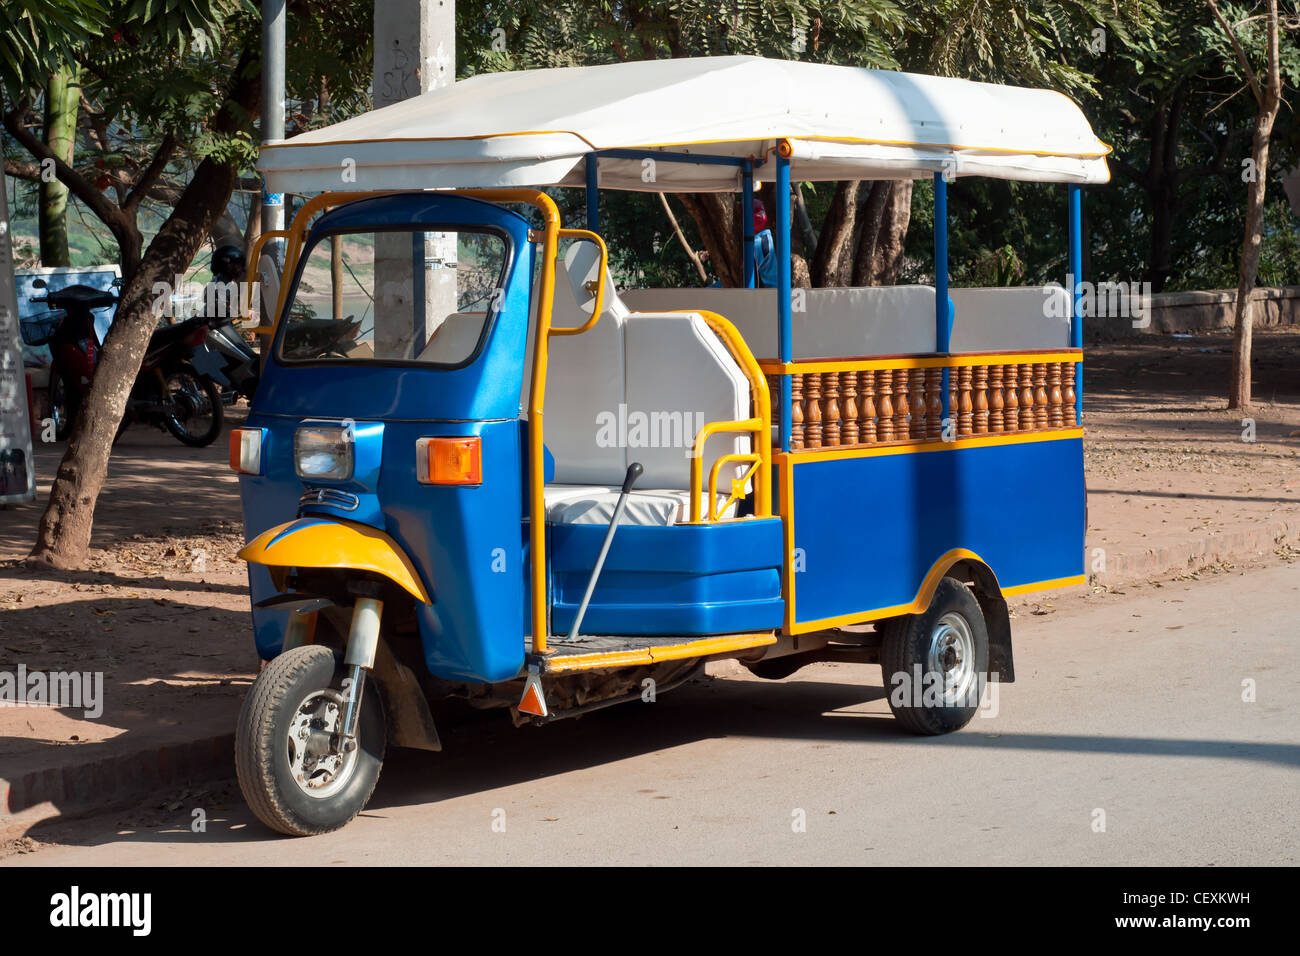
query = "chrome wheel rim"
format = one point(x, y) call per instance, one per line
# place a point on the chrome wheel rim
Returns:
point(951, 655)
point(317, 764)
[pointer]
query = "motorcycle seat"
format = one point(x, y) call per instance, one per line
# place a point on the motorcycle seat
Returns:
point(80, 295)
point(174, 333)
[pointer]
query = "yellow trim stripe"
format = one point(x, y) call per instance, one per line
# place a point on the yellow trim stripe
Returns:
point(925, 593)
point(787, 518)
point(908, 448)
point(707, 647)
point(1009, 151)
point(1045, 585)
point(823, 366)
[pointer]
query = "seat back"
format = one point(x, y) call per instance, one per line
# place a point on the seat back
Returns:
point(639, 389)
point(825, 323)
point(1010, 319)
point(680, 376)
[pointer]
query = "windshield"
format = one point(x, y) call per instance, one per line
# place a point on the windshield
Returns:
point(395, 296)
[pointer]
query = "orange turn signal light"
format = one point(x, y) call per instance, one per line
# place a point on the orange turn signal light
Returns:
point(246, 450)
point(450, 461)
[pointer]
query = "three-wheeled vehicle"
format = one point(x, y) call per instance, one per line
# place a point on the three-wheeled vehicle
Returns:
point(475, 469)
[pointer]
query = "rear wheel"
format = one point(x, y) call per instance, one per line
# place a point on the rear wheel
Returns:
point(935, 664)
point(63, 404)
point(196, 412)
point(293, 769)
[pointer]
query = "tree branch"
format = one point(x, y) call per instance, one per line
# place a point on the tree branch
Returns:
point(146, 180)
point(22, 170)
point(76, 183)
point(1241, 54)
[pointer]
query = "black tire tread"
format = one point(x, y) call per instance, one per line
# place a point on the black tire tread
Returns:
point(255, 740)
point(893, 651)
point(213, 392)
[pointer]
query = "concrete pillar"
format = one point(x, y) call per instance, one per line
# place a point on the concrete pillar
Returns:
point(415, 51)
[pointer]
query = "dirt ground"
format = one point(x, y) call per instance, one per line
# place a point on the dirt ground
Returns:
point(1166, 462)
point(163, 608)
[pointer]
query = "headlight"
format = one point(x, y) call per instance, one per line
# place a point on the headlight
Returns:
point(323, 453)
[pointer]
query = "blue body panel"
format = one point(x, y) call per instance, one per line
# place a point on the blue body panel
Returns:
point(681, 579)
point(867, 529)
point(870, 528)
point(465, 541)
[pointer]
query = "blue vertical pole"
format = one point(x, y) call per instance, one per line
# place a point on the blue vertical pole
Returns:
point(593, 207)
point(747, 215)
point(785, 338)
point(942, 307)
point(1076, 291)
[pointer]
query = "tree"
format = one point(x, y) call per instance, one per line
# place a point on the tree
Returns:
point(62, 96)
point(188, 70)
point(1268, 97)
point(859, 229)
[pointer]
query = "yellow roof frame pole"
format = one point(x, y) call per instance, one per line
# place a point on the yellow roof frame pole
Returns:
point(537, 400)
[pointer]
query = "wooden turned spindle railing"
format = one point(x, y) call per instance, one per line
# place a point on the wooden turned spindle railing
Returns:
point(849, 403)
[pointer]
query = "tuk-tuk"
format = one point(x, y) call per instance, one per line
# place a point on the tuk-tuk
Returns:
point(476, 470)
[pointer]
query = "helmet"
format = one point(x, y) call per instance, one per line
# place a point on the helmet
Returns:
point(760, 216)
point(228, 263)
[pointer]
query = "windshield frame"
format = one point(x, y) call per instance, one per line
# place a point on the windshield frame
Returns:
point(315, 238)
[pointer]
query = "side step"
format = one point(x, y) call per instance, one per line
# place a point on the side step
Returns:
point(590, 652)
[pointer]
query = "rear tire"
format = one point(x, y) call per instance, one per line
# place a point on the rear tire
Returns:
point(63, 404)
point(204, 395)
point(948, 647)
point(288, 702)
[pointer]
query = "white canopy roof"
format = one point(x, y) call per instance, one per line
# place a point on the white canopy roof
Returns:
point(536, 128)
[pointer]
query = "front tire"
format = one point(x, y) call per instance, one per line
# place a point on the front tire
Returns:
point(295, 777)
point(935, 664)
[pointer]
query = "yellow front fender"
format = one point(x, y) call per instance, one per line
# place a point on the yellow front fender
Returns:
point(331, 543)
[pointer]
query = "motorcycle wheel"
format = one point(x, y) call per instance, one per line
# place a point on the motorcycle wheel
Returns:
point(197, 413)
point(63, 405)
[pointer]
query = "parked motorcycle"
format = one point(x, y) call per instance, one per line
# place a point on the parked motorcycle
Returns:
point(169, 392)
point(236, 366)
point(231, 360)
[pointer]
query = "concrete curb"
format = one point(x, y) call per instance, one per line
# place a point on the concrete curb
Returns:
point(1190, 555)
point(75, 789)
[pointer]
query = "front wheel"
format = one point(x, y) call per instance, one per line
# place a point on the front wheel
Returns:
point(195, 410)
point(292, 768)
point(935, 664)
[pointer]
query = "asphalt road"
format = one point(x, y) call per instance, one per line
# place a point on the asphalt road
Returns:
point(1126, 740)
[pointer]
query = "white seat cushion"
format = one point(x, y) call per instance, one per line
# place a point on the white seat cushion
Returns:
point(595, 504)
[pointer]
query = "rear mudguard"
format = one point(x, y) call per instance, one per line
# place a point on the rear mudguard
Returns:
point(317, 542)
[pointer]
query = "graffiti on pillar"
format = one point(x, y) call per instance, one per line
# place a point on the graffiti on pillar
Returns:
point(402, 78)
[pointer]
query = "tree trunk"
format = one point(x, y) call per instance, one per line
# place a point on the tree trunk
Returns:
point(716, 218)
point(63, 537)
point(882, 229)
point(1162, 183)
point(893, 234)
point(1269, 97)
point(62, 97)
point(1239, 393)
point(805, 238)
point(832, 261)
point(253, 231)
